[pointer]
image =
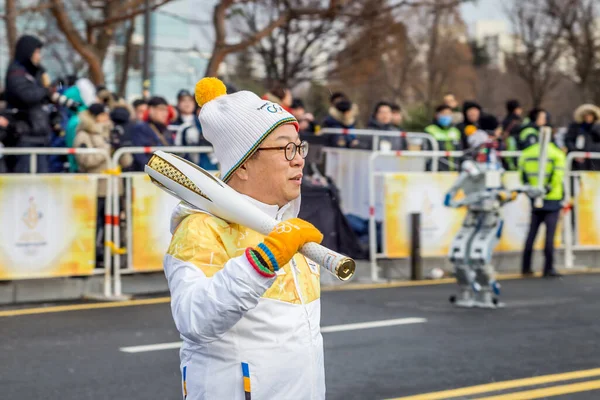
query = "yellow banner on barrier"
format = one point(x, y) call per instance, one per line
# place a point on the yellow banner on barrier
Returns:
point(151, 208)
point(47, 225)
point(422, 192)
point(588, 210)
point(406, 193)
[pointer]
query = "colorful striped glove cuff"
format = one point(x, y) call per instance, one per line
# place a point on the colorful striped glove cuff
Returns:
point(258, 260)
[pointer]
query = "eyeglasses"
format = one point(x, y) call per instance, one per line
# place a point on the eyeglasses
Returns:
point(290, 149)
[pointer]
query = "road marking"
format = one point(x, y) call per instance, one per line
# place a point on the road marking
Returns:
point(492, 387)
point(547, 392)
point(325, 329)
point(151, 347)
point(77, 307)
point(373, 324)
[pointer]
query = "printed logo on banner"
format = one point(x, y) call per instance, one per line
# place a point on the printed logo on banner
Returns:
point(31, 240)
point(48, 226)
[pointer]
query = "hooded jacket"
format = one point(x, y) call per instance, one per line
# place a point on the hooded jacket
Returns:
point(584, 137)
point(25, 92)
point(243, 334)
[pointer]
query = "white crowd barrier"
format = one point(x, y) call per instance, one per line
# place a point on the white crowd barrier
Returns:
point(113, 253)
point(33, 153)
point(129, 215)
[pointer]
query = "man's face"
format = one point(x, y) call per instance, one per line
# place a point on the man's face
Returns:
point(279, 180)
point(140, 111)
point(36, 57)
point(541, 119)
point(187, 105)
point(159, 113)
point(384, 115)
point(518, 111)
point(396, 117)
point(450, 101)
point(473, 114)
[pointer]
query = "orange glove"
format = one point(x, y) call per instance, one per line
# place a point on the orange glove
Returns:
point(281, 244)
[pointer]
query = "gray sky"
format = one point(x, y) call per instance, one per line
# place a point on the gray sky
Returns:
point(482, 9)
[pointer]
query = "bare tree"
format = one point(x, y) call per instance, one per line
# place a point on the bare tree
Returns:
point(293, 51)
point(102, 19)
point(539, 48)
point(284, 12)
point(579, 22)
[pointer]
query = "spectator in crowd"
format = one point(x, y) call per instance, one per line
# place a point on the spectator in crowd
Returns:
point(94, 132)
point(342, 114)
point(381, 120)
point(510, 129)
point(528, 134)
point(447, 137)
point(583, 134)
point(306, 120)
point(152, 132)
point(457, 114)
point(514, 113)
point(83, 92)
point(397, 116)
point(121, 132)
point(27, 90)
point(471, 115)
point(189, 132)
point(281, 95)
point(140, 107)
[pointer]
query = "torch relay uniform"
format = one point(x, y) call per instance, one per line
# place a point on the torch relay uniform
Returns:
point(246, 335)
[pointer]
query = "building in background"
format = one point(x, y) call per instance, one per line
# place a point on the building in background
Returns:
point(494, 37)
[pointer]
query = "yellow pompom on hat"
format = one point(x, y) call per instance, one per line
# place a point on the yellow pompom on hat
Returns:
point(236, 124)
point(208, 89)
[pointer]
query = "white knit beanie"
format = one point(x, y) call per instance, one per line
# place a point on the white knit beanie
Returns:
point(236, 124)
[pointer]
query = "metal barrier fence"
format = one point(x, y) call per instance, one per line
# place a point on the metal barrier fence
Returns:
point(570, 221)
point(129, 217)
point(33, 152)
point(112, 251)
point(373, 254)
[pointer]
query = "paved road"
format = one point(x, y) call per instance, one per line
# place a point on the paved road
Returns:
point(549, 327)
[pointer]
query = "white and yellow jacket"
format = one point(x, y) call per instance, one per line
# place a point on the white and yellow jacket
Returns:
point(244, 336)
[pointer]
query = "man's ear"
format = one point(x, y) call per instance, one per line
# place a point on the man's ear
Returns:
point(242, 172)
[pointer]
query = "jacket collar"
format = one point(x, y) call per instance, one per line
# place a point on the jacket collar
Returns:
point(271, 210)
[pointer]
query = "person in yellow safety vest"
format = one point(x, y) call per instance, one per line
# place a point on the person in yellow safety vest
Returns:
point(447, 137)
point(550, 211)
point(528, 134)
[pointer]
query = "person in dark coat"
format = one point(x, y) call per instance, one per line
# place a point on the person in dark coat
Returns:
point(153, 132)
point(583, 134)
point(27, 90)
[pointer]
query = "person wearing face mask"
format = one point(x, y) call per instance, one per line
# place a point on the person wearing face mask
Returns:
point(447, 136)
point(342, 114)
point(584, 135)
point(94, 132)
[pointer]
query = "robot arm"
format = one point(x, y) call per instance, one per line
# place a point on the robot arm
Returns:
point(469, 171)
point(449, 199)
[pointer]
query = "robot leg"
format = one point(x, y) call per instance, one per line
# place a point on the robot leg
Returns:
point(481, 253)
point(465, 275)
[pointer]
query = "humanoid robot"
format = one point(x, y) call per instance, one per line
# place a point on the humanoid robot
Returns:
point(471, 250)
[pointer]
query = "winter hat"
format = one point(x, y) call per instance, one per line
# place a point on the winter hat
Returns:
point(97, 109)
point(236, 124)
point(586, 109)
